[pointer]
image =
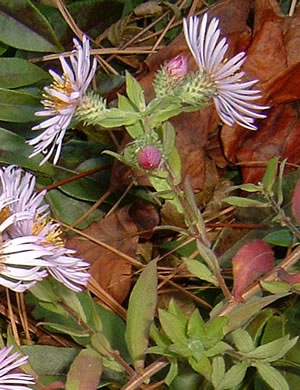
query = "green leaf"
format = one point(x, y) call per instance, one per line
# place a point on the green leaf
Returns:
point(173, 371)
point(281, 237)
point(215, 328)
point(218, 349)
point(202, 366)
point(279, 183)
point(116, 117)
point(233, 376)
point(100, 343)
point(71, 299)
point(275, 287)
point(270, 174)
point(196, 326)
point(173, 326)
point(274, 350)
point(135, 92)
point(85, 372)
point(242, 340)
point(159, 338)
point(65, 329)
point(140, 314)
point(244, 202)
point(174, 162)
point(135, 130)
point(18, 106)
point(271, 376)
point(44, 292)
point(75, 209)
point(249, 187)
point(200, 270)
point(218, 370)
point(24, 27)
point(17, 72)
point(243, 312)
point(57, 362)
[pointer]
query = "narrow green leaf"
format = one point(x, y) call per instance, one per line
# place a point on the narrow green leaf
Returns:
point(100, 343)
point(218, 349)
point(18, 106)
point(275, 287)
point(233, 376)
point(271, 376)
point(70, 298)
point(270, 174)
point(243, 312)
point(174, 163)
point(274, 350)
point(244, 202)
point(218, 370)
point(85, 372)
point(24, 27)
point(173, 371)
point(279, 183)
point(17, 72)
point(135, 92)
point(200, 270)
point(249, 187)
point(141, 308)
point(135, 130)
point(202, 366)
point(169, 136)
point(65, 329)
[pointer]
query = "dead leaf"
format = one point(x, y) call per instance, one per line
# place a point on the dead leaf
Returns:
point(119, 231)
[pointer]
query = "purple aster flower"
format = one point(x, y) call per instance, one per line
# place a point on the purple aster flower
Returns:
point(9, 379)
point(37, 229)
point(62, 99)
point(233, 98)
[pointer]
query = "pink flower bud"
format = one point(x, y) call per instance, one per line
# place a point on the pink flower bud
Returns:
point(149, 157)
point(251, 261)
point(177, 67)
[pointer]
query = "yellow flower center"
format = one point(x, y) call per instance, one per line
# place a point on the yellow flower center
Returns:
point(54, 103)
point(53, 236)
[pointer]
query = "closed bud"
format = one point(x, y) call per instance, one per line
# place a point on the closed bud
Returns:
point(149, 157)
point(177, 67)
point(289, 277)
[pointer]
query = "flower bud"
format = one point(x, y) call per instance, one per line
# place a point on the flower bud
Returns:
point(149, 157)
point(177, 67)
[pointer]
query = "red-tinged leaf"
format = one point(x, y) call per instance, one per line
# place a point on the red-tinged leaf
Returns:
point(296, 203)
point(250, 262)
point(85, 371)
point(289, 277)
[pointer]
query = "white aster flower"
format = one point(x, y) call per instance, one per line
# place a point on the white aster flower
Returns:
point(49, 251)
point(233, 98)
point(62, 99)
point(9, 378)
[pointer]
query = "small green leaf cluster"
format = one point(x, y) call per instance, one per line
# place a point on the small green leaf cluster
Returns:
point(190, 339)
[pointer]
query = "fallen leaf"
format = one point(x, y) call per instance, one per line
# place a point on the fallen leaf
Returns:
point(120, 231)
